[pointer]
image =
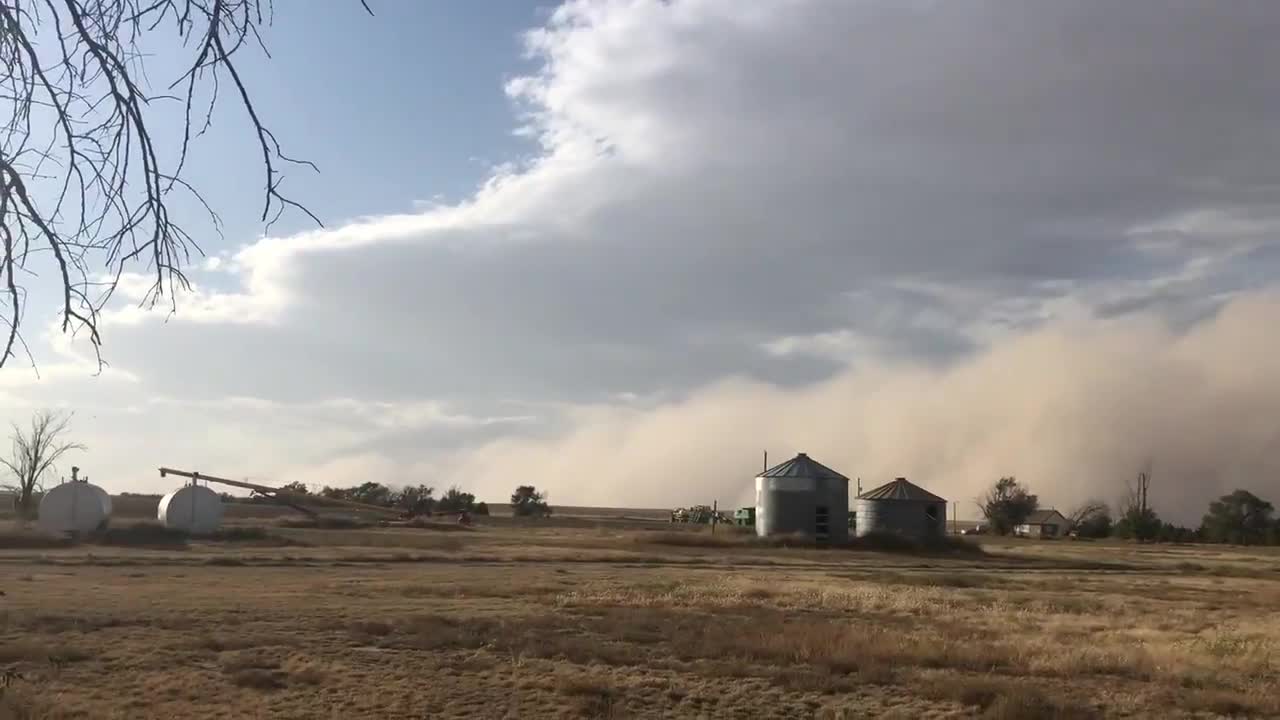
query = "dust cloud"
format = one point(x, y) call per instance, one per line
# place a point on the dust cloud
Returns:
point(1074, 410)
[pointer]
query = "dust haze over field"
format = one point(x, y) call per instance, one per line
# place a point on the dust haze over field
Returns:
point(1074, 409)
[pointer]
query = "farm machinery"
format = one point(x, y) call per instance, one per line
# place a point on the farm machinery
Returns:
point(700, 515)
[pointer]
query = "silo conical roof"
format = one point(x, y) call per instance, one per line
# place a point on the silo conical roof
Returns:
point(900, 489)
point(802, 466)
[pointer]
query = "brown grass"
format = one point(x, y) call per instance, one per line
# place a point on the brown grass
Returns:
point(546, 620)
point(732, 537)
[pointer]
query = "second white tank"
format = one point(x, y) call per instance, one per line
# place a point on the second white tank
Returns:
point(193, 508)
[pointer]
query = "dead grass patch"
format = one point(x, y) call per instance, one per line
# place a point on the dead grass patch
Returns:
point(259, 679)
point(143, 536)
point(36, 650)
point(229, 642)
point(876, 542)
point(1245, 702)
point(438, 525)
point(323, 523)
point(249, 535)
point(592, 697)
point(1031, 704)
point(20, 539)
point(27, 703)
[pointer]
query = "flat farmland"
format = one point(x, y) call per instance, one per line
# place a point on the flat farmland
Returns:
point(531, 620)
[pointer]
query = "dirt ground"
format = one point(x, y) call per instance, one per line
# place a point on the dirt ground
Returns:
point(613, 621)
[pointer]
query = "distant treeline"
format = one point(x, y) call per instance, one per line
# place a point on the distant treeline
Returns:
point(422, 500)
point(1238, 518)
point(526, 501)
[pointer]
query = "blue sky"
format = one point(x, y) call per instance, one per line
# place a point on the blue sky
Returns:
point(946, 241)
point(404, 106)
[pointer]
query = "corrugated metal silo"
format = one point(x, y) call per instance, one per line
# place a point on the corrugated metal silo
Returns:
point(802, 497)
point(901, 508)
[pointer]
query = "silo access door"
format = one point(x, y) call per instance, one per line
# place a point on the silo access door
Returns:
point(822, 524)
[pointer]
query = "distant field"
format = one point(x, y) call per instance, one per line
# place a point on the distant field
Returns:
point(567, 618)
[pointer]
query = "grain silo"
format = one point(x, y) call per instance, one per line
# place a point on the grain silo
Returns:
point(901, 508)
point(74, 508)
point(802, 497)
point(193, 508)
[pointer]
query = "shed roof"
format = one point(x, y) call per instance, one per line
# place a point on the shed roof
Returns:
point(802, 466)
point(900, 489)
point(1044, 517)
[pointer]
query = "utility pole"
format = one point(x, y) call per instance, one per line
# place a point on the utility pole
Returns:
point(1144, 482)
point(715, 515)
point(766, 461)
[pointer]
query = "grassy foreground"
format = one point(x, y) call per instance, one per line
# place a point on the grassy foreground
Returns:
point(527, 621)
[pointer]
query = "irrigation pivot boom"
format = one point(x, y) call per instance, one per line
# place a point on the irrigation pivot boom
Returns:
point(297, 501)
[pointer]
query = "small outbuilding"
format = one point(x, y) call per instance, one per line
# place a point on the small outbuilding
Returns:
point(901, 508)
point(1043, 524)
point(802, 497)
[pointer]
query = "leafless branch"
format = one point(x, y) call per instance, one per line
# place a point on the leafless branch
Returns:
point(1086, 510)
point(85, 190)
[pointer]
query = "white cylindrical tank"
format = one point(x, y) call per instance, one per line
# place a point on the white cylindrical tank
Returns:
point(74, 507)
point(105, 497)
point(193, 508)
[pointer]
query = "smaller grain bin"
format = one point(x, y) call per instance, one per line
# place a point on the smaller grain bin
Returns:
point(74, 508)
point(802, 497)
point(901, 508)
point(193, 508)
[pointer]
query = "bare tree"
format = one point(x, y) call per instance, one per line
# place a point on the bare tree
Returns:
point(1085, 511)
point(1137, 519)
point(35, 453)
point(85, 183)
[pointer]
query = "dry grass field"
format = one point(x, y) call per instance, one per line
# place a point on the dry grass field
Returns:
point(599, 619)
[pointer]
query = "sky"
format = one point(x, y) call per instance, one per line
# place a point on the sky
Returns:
point(618, 248)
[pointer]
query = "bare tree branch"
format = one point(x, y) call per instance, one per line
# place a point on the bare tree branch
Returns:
point(85, 188)
point(1086, 510)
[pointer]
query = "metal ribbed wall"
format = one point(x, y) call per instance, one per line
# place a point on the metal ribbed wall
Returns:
point(789, 506)
point(901, 517)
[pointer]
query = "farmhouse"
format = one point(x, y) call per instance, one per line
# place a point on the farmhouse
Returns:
point(1043, 523)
